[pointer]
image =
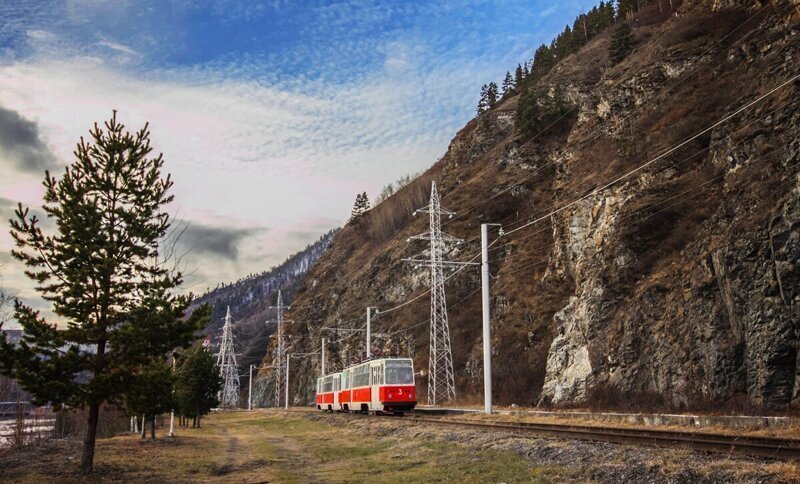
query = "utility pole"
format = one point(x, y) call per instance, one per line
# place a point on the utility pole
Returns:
point(287, 380)
point(324, 340)
point(441, 382)
point(228, 368)
point(487, 337)
point(172, 412)
point(369, 330)
point(250, 390)
point(279, 354)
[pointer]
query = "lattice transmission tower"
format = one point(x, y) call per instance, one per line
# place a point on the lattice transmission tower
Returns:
point(279, 349)
point(441, 382)
point(228, 368)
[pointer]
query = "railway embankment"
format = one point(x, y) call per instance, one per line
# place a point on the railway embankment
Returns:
point(577, 460)
point(722, 422)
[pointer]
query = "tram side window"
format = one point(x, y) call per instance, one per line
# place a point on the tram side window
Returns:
point(327, 385)
point(361, 376)
point(345, 380)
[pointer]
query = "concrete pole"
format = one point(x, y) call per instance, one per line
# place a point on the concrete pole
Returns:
point(172, 412)
point(287, 380)
point(487, 349)
point(324, 340)
point(369, 332)
point(250, 390)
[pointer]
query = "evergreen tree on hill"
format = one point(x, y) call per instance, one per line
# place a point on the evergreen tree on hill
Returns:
point(483, 101)
point(360, 207)
point(491, 94)
point(621, 43)
point(519, 77)
point(100, 271)
point(508, 84)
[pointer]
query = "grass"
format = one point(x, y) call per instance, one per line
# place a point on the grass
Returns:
point(270, 446)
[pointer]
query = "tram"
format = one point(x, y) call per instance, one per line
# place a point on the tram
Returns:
point(379, 386)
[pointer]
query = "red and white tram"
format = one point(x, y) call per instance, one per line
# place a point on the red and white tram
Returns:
point(384, 385)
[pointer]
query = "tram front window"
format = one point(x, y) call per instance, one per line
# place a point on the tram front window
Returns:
point(399, 375)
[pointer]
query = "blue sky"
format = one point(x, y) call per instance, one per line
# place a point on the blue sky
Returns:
point(271, 115)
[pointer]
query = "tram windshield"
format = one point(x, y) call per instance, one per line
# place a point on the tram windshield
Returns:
point(399, 372)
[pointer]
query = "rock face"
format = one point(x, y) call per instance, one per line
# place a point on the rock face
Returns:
point(653, 244)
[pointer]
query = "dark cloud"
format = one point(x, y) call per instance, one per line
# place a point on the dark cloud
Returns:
point(21, 142)
point(222, 241)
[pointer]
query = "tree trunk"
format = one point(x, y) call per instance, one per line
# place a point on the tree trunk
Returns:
point(87, 460)
point(144, 427)
point(153, 427)
point(198, 420)
point(194, 422)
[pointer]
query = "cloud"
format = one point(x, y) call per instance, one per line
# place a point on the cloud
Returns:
point(220, 241)
point(22, 144)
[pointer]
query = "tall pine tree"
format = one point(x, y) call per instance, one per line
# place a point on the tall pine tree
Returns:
point(508, 84)
point(621, 43)
point(491, 94)
point(102, 274)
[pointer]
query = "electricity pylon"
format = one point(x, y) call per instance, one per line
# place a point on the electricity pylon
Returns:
point(279, 353)
point(228, 369)
point(441, 382)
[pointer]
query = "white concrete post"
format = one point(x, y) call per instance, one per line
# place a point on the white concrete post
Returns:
point(324, 340)
point(172, 412)
point(487, 349)
point(250, 390)
point(369, 332)
point(287, 380)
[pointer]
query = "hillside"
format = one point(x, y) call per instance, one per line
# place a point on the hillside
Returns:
point(250, 299)
point(674, 286)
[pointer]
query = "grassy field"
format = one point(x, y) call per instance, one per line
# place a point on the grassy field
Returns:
point(267, 446)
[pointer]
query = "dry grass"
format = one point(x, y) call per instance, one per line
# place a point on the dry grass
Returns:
point(268, 446)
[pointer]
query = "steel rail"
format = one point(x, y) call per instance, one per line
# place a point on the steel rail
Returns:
point(756, 446)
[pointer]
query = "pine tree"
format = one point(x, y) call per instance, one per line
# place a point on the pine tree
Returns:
point(364, 203)
point(197, 384)
point(621, 43)
point(100, 271)
point(528, 112)
point(360, 207)
point(483, 101)
point(150, 393)
point(626, 9)
point(519, 77)
point(491, 94)
point(542, 61)
point(508, 84)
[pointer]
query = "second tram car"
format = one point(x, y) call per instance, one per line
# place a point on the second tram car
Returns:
point(384, 385)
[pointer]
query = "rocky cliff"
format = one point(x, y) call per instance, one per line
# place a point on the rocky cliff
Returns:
point(652, 242)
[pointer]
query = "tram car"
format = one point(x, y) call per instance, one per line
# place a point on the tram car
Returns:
point(384, 385)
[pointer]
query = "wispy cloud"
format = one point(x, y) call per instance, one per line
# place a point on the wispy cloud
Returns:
point(271, 114)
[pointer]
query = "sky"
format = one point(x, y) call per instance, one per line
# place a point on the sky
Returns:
point(271, 115)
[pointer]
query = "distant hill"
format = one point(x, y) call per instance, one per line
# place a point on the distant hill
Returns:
point(250, 298)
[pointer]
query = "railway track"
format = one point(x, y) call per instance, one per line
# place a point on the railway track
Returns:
point(755, 446)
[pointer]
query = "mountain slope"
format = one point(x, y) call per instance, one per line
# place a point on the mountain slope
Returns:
point(250, 299)
point(675, 285)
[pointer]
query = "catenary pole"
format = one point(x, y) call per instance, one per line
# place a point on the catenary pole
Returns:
point(324, 341)
point(369, 332)
point(250, 390)
point(172, 412)
point(287, 381)
point(487, 356)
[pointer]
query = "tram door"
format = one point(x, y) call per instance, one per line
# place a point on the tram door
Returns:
point(375, 381)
